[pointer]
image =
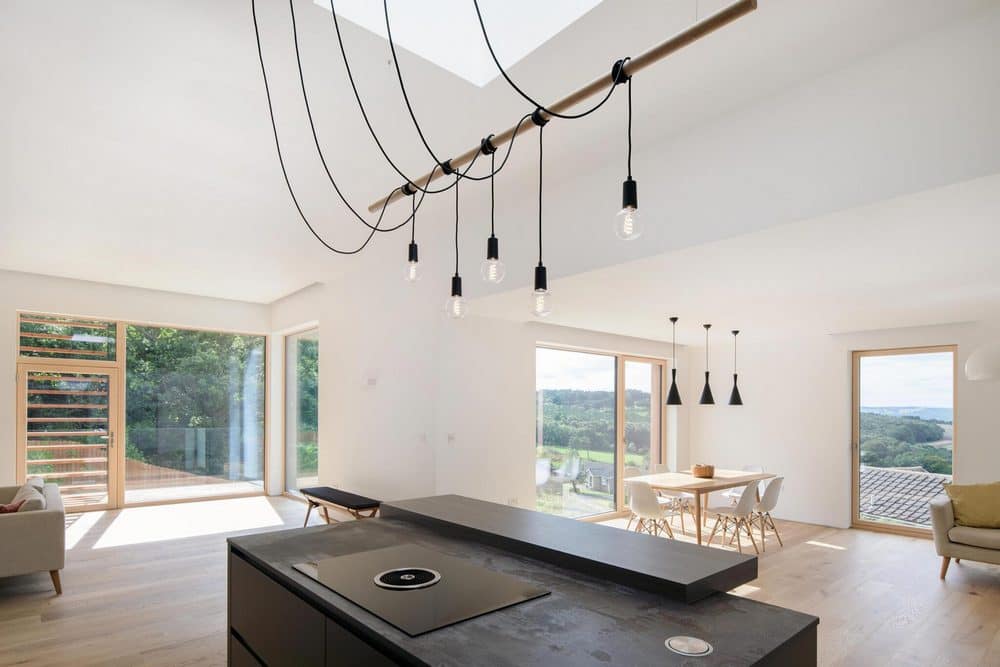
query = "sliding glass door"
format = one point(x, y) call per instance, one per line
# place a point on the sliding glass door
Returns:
point(598, 421)
point(904, 435)
point(301, 410)
point(194, 414)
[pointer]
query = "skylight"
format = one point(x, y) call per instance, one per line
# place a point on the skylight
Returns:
point(447, 32)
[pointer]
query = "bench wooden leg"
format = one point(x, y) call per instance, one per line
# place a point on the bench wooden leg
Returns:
point(308, 511)
point(326, 515)
point(55, 581)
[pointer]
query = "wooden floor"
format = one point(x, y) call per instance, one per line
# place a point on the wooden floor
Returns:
point(146, 586)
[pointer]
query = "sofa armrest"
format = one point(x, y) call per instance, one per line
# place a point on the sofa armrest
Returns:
point(942, 520)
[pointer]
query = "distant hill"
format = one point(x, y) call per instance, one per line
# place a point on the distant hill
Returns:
point(939, 414)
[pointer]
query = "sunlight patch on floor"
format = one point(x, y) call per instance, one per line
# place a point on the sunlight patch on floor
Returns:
point(140, 525)
point(79, 524)
point(825, 545)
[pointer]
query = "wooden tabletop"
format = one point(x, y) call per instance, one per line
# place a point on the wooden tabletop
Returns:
point(685, 481)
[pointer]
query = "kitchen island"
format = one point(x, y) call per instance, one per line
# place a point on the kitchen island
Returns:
point(599, 595)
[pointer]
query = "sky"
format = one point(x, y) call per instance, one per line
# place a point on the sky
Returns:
point(905, 380)
point(563, 369)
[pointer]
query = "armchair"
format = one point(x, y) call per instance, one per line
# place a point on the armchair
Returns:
point(34, 541)
point(958, 542)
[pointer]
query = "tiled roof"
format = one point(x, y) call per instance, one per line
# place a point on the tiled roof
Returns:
point(900, 495)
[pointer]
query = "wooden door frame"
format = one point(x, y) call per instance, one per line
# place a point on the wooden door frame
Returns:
point(27, 365)
point(856, 356)
point(620, 445)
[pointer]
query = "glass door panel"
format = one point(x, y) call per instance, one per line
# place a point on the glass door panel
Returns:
point(642, 410)
point(301, 410)
point(67, 433)
point(576, 413)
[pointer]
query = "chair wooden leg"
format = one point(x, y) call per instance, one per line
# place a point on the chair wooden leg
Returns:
point(670, 531)
point(308, 511)
point(55, 581)
point(763, 542)
point(945, 560)
point(736, 534)
point(630, 520)
point(770, 522)
point(638, 525)
point(718, 519)
point(746, 524)
point(681, 513)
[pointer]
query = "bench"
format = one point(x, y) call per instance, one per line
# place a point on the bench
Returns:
point(326, 497)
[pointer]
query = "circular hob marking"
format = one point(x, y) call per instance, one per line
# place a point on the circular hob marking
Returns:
point(688, 646)
point(407, 578)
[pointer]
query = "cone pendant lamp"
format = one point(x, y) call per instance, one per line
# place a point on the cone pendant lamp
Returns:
point(706, 393)
point(735, 398)
point(673, 396)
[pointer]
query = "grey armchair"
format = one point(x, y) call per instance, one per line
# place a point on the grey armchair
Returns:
point(34, 541)
point(958, 542)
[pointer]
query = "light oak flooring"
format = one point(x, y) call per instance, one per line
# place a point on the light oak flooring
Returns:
point(146, 586)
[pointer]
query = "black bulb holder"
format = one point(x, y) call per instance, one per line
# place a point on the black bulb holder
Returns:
point(456, 285)
point(492, 247)
point(541, 279)
point(630, 194)
point(412, 253)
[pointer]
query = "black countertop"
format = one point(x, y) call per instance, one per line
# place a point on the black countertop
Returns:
point(587, 620)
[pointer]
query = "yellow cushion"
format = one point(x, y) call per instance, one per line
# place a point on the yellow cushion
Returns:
point(976, 505)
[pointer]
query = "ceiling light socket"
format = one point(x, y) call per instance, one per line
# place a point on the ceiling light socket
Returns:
point(492, 247)
point(541, 279)
point(630, 194)
point(456, 285)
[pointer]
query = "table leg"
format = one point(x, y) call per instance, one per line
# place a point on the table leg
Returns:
point(697, 515)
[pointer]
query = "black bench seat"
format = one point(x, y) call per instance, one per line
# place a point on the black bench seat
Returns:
point(326, 496)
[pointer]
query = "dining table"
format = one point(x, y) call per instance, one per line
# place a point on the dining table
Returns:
point(685, 482)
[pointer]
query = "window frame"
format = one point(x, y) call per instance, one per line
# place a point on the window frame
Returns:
point(621, 358)
point(856, 356)
point(314, 326)
point(120, 367)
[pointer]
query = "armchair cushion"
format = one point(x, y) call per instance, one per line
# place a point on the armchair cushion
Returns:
point(976, 505)
point(987, 538)
point(30, 497)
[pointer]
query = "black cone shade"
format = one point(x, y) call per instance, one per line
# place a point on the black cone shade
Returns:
point(706, 393)
point(735, 398)
point(673, 396)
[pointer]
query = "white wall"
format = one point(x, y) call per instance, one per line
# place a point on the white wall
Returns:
point(796, 417)
point(24, 291)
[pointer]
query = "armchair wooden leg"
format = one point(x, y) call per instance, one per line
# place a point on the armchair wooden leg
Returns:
point(945, 560)
point(55, 581)
point(958, 560)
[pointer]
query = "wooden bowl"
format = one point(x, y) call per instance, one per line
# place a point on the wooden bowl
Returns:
point(703, 471)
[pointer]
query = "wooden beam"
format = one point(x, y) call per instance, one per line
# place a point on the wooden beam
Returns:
point(599, 86)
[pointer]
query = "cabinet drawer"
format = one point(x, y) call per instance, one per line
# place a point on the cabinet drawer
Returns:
point(344, 649)
point(278, 626)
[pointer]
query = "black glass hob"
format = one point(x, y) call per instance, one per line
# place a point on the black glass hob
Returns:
point(417, 589)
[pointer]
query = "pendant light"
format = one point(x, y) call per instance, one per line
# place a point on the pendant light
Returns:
point(706, 393)
point(456, 306)
point(673, 396)
point(412, 268)
point(492, 269)
point(735, 398)
point(627, 224)
point(541, 297)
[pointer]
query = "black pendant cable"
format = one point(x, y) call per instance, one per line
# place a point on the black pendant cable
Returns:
point(412, 269)
point(541, 297)
point(627, 226)
point(456, 306)
point(492, 269)
point(674, 396)
point(735, 398)
point(706, 393)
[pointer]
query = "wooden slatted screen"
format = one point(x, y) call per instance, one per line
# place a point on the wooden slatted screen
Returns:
point(58, 337)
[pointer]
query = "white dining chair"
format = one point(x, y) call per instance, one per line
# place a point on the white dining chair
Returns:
point(681, 500)
point(733, 495)
point(762, 510)
point(739, 518)
point(651, 514)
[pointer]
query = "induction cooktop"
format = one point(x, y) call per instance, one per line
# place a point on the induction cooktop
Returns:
point(417, 589)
